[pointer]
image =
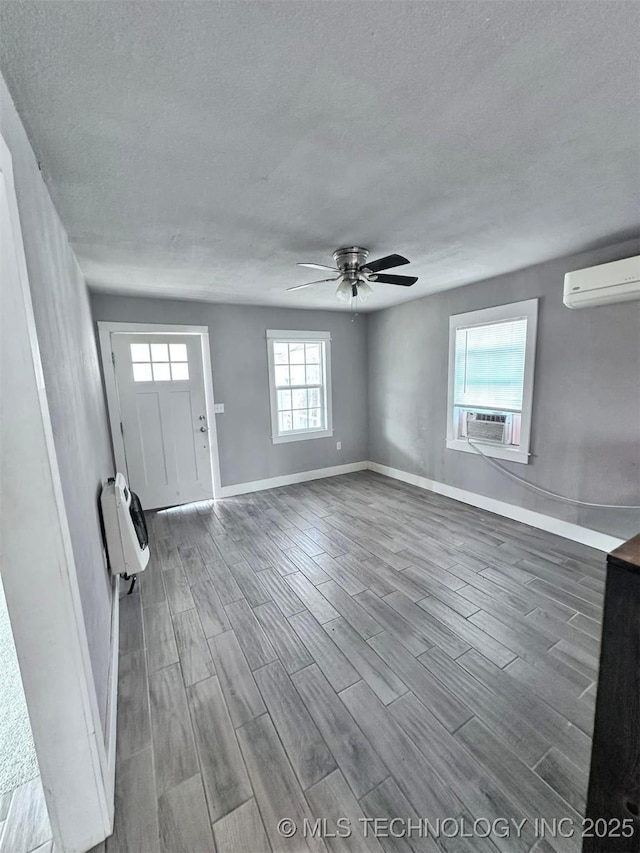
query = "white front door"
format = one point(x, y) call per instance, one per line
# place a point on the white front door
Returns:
point(163, 415)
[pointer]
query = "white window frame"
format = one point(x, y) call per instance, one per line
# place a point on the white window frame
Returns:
point(289, 336)
point(486, 316)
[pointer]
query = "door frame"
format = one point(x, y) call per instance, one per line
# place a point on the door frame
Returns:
point(40, 580)
point(105, 330)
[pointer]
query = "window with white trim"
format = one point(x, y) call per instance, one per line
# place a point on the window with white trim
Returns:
point(491, 366)
point(300, 385)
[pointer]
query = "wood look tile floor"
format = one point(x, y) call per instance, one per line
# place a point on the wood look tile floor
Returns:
point(353, 647)
point(24, 820)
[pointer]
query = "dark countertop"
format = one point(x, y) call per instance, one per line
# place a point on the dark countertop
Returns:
point(628, 553)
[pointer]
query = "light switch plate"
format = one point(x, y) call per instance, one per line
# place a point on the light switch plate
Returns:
point(218, 408)
point(338, 445)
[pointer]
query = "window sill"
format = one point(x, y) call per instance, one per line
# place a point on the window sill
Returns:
point(301, 436)
point(495, 451)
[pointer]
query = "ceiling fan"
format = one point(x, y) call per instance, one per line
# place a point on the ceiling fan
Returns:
point(355, 273)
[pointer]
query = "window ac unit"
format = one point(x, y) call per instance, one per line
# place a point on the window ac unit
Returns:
point(489, 426)
point(601, 285)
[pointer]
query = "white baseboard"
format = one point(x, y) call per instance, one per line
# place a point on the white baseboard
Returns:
point(584, 535)
point(566, 529)
point(290, 479)
point(112, 701)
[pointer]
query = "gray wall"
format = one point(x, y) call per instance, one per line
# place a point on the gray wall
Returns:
point(240, 380)
point(72, 379)
point(586, 407)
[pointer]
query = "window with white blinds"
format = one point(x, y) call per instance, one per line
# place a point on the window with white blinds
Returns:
point(489, 365)
point(491, 361)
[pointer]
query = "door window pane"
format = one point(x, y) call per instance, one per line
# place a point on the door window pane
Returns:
point(161, 372)
point(159, 352)
point(178, 352)
point(179, 371)
point(141, 372)
point(140, 352)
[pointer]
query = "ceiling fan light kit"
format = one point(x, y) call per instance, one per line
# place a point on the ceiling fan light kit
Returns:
point(364, 291)
point(355, 273)
point(343, 291)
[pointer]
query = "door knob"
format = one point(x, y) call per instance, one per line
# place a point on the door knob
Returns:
point(203, 429)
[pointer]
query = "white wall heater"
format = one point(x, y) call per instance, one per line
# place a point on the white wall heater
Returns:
point(125, 529)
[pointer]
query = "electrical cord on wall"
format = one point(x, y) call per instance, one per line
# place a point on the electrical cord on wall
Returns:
point(539, 489)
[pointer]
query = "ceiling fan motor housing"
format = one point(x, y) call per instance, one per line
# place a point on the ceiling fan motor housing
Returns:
point(351, 259)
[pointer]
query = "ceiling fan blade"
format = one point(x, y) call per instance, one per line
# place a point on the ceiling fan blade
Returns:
point(309, 283)
point(404, 280)
point(386, 263)
point(318, 267)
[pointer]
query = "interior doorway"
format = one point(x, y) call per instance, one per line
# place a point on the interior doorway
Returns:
point(160, 401)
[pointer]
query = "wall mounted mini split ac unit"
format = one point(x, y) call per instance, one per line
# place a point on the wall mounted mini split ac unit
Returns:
point(490, 426)
point(604, 284)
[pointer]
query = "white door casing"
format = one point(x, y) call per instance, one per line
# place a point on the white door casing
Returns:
point(160, 406)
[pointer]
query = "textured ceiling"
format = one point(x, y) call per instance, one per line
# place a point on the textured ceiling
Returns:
point(200, 149)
